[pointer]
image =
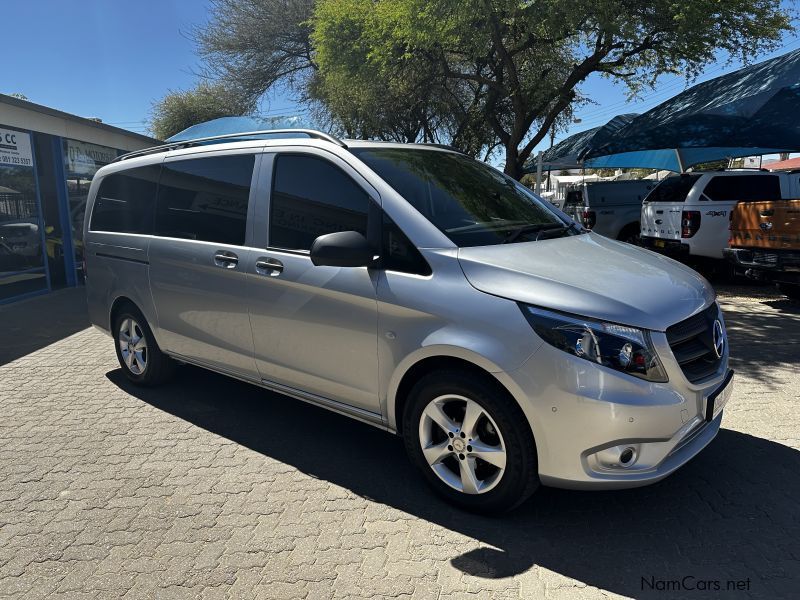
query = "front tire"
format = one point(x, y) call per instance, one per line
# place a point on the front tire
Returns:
point(471, 441)
point(137, 351)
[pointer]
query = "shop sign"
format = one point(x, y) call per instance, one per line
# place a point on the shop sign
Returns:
point(15, 148)
point(86, 159)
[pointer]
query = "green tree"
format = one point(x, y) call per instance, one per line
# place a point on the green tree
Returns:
point(476, 73)
point(179, 110)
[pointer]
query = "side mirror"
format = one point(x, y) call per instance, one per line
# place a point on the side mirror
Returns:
point(342, 249)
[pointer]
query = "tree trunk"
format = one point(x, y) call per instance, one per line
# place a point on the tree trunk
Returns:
point(513, 167)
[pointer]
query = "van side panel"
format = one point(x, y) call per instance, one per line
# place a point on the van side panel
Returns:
point(117, 266)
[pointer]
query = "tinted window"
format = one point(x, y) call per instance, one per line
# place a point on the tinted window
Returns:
point(312, 197)
point(125, 201)
point(205, 199)
point(399, 254)
point(673, 189)
point(744, 187)
point(468, 201)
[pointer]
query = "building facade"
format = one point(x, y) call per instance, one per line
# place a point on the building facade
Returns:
point(47, 161)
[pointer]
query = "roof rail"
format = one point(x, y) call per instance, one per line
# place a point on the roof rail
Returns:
point(443, 147)
point(312, 133)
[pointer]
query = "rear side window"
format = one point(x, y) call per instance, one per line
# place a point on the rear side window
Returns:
point(312, 197)
point(744, 187)
point(205, 199)
point(125, 201)
point(673, 189)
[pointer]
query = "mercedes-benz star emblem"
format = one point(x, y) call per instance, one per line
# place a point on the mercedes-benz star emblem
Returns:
point(719, 339)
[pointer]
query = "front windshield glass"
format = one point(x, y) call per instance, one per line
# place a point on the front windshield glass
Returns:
point(471, 203)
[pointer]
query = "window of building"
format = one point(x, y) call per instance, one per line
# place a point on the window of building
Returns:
point(205, 199)
point(744, 188)
point(81, 161)
point(22, 268)
point(399, 253)
point(124, 201)
point(312, 197)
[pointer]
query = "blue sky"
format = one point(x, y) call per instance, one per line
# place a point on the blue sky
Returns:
point(112, 60)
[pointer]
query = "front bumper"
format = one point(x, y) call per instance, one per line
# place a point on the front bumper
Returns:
point(778, 265)
point(583, 415)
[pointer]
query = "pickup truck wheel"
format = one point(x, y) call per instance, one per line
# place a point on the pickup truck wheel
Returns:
point(791, 290)
point(630, 234)
point(471, 441)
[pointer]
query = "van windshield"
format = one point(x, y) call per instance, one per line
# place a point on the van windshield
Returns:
point(673, 189)
point(471, 203)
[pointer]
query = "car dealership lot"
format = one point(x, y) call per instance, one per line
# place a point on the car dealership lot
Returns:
point(208, 487)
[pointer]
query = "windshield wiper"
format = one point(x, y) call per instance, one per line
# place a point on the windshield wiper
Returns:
point(538, 228)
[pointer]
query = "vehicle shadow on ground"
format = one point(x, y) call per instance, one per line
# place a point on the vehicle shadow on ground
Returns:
point(730, 514)
point(32, 324)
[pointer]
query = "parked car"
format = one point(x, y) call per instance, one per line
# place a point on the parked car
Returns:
point(417, 290)
point(765, 242)
point(688, 215)
point(22, 237)
point(610, 208)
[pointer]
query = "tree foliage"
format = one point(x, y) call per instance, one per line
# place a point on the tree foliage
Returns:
point(474, 73)
point(179, 110)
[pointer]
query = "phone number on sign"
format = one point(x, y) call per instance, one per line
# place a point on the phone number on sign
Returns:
point(8, 159)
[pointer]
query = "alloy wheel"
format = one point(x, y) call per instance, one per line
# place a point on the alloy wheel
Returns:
point(462, 444)
point(133, 346)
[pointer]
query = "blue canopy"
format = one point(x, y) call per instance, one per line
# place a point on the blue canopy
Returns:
point(676, 160)
point(568, 152)
point(751, 111)
point(565, 154)
point(226, 125)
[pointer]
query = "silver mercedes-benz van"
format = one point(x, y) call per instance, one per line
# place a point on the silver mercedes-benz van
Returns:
point(417, 290)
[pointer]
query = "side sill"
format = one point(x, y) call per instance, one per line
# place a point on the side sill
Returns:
point(365, 416)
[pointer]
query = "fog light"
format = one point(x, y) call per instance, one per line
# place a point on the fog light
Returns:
point(617, 457)
point(627, 456)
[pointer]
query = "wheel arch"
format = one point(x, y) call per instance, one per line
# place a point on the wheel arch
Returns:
point(629, 227)
point(407, 374)
point(119, 303)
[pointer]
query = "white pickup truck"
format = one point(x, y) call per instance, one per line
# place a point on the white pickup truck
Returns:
point(610, 208)
point(688, 215)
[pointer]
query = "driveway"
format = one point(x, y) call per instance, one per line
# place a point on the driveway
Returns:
point(211, 488)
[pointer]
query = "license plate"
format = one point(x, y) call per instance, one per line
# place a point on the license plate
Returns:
point(719, 398)
point(660, 243)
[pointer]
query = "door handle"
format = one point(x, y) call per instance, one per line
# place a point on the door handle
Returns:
point(225, 259)
point(269, 266)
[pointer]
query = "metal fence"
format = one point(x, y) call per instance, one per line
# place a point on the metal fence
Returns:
point(17, 207)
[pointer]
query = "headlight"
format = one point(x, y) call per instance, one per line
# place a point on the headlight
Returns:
point(618, 347)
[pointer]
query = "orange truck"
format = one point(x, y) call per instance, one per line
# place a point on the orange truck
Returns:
point(765, 242)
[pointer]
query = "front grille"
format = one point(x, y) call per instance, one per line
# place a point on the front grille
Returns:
point(692, 343)
point(774, 259)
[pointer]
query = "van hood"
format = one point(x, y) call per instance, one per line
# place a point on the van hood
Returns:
point(591, 276)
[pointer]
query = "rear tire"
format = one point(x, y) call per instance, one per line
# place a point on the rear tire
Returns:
point(137, 351)
point(460, 418)
point(630, 234)
point(791, 290)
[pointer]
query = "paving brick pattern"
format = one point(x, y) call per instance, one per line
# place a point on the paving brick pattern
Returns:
point(210, 488)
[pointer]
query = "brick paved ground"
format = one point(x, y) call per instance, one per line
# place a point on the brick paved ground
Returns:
point(213, 488)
